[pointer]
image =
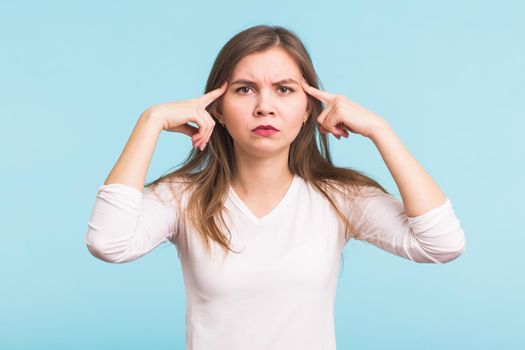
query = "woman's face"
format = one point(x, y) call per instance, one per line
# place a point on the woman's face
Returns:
point(264, 88)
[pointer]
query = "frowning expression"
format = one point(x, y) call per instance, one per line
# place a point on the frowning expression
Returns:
point(265, 89)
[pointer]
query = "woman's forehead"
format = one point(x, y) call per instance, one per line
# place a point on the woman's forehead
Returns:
point(269, 66)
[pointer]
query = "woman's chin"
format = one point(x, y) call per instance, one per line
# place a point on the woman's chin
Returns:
point(264, 148)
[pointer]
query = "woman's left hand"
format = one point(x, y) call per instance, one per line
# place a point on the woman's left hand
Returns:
point(341, 114)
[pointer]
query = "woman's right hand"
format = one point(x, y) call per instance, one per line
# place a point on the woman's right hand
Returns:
point(174, 116)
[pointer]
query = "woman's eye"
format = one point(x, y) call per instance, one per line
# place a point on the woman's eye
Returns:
point(242, 87)
point(287, 90)
point(285, 87)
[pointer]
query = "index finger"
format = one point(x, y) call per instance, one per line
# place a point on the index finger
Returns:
point(321, 95)
point(208, 98)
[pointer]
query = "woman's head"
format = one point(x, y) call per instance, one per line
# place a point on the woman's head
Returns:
point(263, 55)
point(264, 89)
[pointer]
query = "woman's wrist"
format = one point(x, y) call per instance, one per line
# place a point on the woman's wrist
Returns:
point(379, 131)
point(152, 118)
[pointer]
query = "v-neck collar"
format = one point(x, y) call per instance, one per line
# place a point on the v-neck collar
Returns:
point(244, 208)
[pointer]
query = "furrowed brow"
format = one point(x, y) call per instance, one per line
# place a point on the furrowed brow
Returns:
point(249, 82)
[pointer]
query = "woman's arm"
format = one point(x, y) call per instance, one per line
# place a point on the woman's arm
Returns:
point(424, 227)
point(127, 221)
point(435, 236)
point(132, 166)
point(418, 190)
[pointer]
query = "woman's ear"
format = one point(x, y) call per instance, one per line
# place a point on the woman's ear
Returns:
point(308, 107)
point(216, 110)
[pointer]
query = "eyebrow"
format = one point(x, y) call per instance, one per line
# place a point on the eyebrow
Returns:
point(249, 82)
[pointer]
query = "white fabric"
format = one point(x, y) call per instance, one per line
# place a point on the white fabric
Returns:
point(279, 291)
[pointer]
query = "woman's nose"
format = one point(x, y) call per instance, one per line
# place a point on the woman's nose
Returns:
point(264, 103)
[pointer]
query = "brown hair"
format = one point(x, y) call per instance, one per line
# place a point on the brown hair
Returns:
point(209, 172)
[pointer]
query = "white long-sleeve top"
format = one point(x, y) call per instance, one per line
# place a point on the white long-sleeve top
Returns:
point(278, 292)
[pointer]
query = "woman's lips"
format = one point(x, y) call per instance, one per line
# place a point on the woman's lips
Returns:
point(265, 132)
point(268, 126)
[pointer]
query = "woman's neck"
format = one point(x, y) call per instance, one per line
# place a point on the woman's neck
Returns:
point(259, 176)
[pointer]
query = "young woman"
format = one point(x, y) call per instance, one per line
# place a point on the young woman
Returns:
point(258, 213)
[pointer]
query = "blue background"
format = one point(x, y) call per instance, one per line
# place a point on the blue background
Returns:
point(74, 77)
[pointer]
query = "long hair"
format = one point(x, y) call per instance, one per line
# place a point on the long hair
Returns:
point(208, 173)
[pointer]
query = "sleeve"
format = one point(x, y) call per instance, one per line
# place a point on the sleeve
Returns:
point(435, 236)
point(126, 223)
